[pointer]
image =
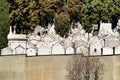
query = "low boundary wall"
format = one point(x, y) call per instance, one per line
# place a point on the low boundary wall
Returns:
point(21, 67)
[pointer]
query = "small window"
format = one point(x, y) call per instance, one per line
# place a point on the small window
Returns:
point(73, 27)
point(95, 50)
point(76, 26)
point(38, 33)
point(46, 32)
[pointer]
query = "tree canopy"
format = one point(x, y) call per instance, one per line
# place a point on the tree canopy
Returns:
point(88, 68)
point(4, 23)
point(62, 24)
point(26, 14)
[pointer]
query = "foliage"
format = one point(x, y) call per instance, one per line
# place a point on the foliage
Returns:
point(84, 68)
point(75, 9)
point(62, 24)
point(99, 10)
point(4, 23)
point(26, 14)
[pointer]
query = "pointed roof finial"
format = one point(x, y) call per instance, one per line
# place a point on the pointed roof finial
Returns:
point(14, 29)
point(10, 30)
point(100, 21)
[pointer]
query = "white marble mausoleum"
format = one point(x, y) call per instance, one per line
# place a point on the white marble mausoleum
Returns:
point(47, 42)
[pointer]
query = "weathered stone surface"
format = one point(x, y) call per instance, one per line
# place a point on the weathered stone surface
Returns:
point(54, 44)
point(20, 67)
point(70, 50)
point(58, 49)
point(12, 67)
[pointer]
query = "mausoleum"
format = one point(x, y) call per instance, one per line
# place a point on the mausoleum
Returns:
point(46, 42)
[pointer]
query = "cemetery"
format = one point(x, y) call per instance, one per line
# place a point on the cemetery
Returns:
point(105, 41)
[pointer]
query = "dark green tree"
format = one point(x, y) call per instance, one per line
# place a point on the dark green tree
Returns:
point(96, 10)
point(92, 9)
point(75, 10)
point(62, 24)
point(29, 13)
point(4, 23)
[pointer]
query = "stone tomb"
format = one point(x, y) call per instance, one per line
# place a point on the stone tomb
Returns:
point(43, 49)
point(58, 49)
point(19, 50)
point(117, 50)
point(82, 50)
point(107, 51)
point(70, 50)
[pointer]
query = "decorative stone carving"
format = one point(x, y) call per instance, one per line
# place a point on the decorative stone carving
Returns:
point(46, 42)
point(19, 50)
point(105, 29)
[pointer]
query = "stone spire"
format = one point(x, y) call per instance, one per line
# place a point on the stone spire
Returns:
point(52, 29)
point(10, 30)
point(14, 29)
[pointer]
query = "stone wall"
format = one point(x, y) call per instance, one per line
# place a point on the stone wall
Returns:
point(12, 67)
point(21, 67)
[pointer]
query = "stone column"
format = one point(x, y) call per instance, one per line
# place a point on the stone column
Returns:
point(14, 29)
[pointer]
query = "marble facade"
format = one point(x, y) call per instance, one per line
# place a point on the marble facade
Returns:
point(47, 42)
